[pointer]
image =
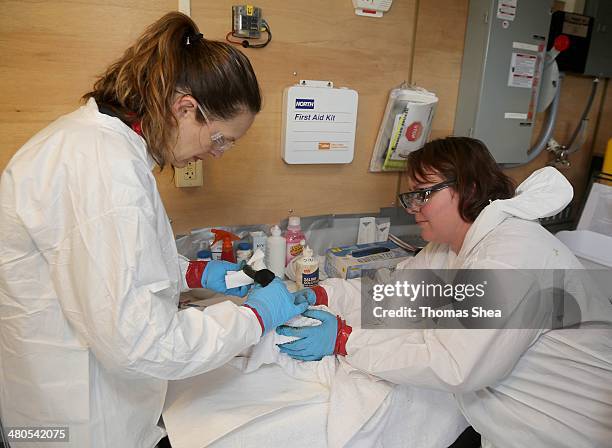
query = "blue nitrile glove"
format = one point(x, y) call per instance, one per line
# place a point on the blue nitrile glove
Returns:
point(214, 278)
point(316, 342)
point(305, 295)
point(274, 304)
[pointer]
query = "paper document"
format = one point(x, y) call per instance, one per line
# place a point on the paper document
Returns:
point(597, 213)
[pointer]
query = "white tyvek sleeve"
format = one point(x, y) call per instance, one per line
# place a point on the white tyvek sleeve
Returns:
point(456, 360)
point(112, 279)
point(344, 296)
point(453, 360)
point(183, 265)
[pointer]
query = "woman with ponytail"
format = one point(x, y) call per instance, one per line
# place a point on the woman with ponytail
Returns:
point(89, 272)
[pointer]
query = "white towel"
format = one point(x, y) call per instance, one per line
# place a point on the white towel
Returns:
point(255, 389)
point(267, 352)
point(354, 396)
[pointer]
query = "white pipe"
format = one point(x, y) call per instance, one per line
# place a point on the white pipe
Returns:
point(184, 6)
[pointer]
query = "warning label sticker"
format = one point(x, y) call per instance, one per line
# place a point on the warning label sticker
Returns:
point(522, 70)
point(506, 9)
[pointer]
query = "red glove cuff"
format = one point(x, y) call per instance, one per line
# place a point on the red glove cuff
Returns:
point(194, 273)
point(321, 295)
point(258, 317)
point(344, 331)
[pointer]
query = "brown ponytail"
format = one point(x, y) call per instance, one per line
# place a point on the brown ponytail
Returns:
point(171, 55)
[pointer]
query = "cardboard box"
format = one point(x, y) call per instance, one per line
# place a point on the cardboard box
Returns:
point(347, 262)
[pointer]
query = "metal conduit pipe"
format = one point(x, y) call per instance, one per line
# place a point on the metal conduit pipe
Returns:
point(574, 145)
point(547, 131)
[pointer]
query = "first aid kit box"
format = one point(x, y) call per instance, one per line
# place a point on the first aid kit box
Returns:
point(319, 123)
point(348, 261)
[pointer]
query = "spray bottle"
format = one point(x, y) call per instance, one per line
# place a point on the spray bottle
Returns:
point(227, 249)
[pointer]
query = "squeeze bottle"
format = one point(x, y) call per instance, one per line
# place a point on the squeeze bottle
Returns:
point(275, 252)
point(294, 236)
point(227, 249)
point(307, 269)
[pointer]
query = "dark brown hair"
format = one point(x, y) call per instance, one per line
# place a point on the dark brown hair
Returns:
point(171, 55)
point(478, 177)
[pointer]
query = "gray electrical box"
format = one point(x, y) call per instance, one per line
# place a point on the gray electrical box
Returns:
point(599, 59)
point(505, 45)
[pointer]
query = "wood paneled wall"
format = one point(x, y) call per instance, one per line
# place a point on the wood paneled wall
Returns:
point(50, 53)
point(604, 121)
point(321, 40)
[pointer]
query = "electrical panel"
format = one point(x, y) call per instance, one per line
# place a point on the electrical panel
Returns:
point(503, 58)
point(590, 39)
point(247, 21)
point(578, 30)
point(599, 59)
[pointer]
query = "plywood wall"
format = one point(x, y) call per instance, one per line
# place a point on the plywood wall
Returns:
point(604, 121)
point(321, 40)
point(50, 53)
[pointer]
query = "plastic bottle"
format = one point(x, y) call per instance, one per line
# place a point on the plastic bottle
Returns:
point(275, 252)
point(243, 252)
point(204, 255)
point(307, 269)
point(294, 236)
point(216, 250)
point(227, 249)
point(259, 240)
point(291, 268)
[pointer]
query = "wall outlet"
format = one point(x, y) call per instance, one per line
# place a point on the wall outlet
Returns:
point(190, 175)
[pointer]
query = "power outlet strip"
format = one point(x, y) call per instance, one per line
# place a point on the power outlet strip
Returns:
point(190, 175)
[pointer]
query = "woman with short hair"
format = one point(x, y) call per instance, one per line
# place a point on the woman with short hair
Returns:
point(525, 384)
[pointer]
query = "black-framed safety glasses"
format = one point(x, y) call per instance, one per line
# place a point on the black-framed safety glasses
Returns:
point(412, 201)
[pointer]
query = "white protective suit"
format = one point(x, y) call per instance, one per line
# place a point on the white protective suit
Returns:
point(89, 286)
point(516, 387)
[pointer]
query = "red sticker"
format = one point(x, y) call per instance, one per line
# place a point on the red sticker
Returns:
point(414, 131)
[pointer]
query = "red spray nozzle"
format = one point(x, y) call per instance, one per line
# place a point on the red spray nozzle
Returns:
point(227, 249)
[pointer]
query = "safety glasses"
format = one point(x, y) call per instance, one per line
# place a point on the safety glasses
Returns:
point(218, 140)
point(220, 143)
point(412, 201)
